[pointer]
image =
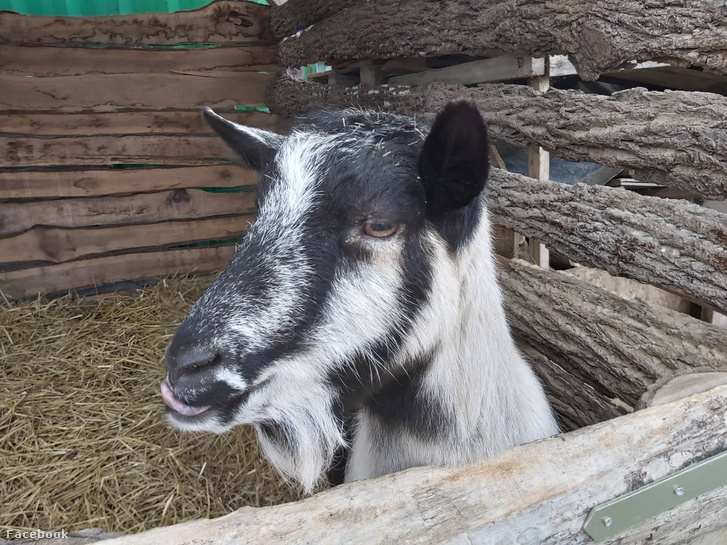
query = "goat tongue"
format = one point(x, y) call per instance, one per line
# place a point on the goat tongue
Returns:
point(176, 405)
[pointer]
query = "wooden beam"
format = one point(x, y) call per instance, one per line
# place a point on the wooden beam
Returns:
point(87, 273)
point(78, 61)
point(616, 346)
point(506, 67)
point(539, 165)
point(537, 493)
point(295, 15)
point(674, 245)
point(27, 184)
point(219, 22)
point(128, 123)
point(176, 204)
point(57, 245)
point(633, 129)
point(598, 36)
point(110, 92)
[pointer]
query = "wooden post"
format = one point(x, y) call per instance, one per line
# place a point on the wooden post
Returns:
point(371, 74)
point(539, 168)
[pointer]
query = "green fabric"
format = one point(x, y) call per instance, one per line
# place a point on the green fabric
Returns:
point(90, 8)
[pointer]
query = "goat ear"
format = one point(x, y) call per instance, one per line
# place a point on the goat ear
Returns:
point(454, 161)
point(256, 147)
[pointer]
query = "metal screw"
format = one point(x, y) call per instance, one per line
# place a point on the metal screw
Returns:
point(607, 522)
point(679, 491)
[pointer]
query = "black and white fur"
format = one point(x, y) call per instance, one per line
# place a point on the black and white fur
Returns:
point(326, 338)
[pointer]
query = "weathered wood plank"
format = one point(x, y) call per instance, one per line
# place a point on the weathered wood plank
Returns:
point(616, 346)
point(111, 150)
point(128, 123)
point(77, 61)
point(110, 92)
point(599, 36)
point(58, 245)
point(219, 22)
point(176, 204)
point(296, 15)
point(635, 129)
point(88, 183)
point(677, 246)
point(505, 67)
point(537, 493)
point(59, 279)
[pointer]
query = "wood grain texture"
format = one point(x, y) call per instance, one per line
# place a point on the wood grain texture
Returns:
point(128, 123)
point(176, 204)
point(77, 61)
point(599, 36)
point(219, 22)
point(295, 15)
point(539, 493)
point(87, 273)
point(676, 246)
point(617, 347)
point(113, 92)
point(28, 184)
point(112, 150)
point(672, 138)
point(57, 245)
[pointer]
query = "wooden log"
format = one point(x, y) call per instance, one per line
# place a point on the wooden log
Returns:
point(616, 346)
point(77, 61)
point(296, 15)
point(635, 129)
point(128, 123)
point(112, 92)
point(87, 273)
point(219, 22)
point(677, 246)
point(57, 245)
point(26, 184)
point(176, 204)
point(539, 493)
point(598, 36)
point(112, 150)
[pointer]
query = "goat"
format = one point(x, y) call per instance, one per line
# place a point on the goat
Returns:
point(361, 311)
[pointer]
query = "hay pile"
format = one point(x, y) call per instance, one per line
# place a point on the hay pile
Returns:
point(82, 439)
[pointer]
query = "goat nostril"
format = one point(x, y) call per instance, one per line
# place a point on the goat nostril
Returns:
point(192, 358)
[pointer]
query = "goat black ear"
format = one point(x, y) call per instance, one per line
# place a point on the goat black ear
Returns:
point(256, 147)
point(454, 162)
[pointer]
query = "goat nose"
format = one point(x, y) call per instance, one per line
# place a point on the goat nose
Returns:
point(192, 357)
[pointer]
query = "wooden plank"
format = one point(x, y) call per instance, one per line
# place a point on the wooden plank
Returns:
point(634, 129)
point(89, 183)
point(77, 61)
point(506, 67)
point(176, 204)
point(219, 22)
point(539, 168)
point(675, 77)
point(57, 245)
point(674, 245)
point(110, 92)
point(539, 493)
point(599, 36)
point(112, 150)
point(58, 279)
point(128, 123)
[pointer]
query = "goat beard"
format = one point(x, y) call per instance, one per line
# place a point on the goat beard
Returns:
point(301, 441)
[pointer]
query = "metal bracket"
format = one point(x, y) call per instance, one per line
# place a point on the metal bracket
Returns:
point(615, 516)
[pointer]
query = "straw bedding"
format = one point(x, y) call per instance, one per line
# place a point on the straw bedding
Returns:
point(83, 442)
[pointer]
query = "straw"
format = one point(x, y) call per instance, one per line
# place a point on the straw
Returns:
point(83, 442)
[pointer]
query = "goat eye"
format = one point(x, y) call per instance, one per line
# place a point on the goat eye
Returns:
point(379, 229)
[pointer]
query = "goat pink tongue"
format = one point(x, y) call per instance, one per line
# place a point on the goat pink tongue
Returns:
point(174, 404)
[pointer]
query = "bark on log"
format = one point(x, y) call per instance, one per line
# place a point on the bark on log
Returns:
point(676, 246)
point(599, 36)
point(616, 346)
point(219, 22)
point(671, 138)
point(537, 493)
point(296, 15)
